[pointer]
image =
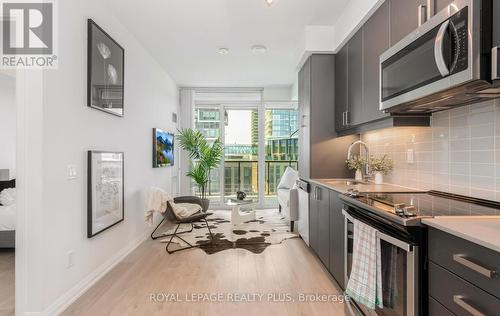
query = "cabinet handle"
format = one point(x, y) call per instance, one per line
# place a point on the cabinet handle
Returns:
point(343, 118)
point(457, 299)
point(495, 75)
point(422, 14)
point(347, 118)
point(491, 274)
point(318, 194)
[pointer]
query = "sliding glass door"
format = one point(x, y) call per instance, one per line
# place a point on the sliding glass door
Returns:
point(241, 153)
point(281, 147)
point(260, 142)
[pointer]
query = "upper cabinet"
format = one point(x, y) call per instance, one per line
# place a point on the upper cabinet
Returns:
point(404, 18)
point(441, 4)
point(355, 79)
point(341, 104)
point(496, 23)
point(357, 76)
point(376, 40)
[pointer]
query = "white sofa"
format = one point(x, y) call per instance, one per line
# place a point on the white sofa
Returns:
point(288, 196)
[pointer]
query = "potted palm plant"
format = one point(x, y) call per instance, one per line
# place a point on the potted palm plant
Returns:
point(205, 157)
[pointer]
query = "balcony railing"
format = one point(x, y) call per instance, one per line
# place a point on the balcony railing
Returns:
point(243, 175)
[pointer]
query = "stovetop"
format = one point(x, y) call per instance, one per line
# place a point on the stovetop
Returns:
point(410, 208)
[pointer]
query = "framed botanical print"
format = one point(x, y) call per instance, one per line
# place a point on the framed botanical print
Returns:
point(105, 77)
point(105, 197)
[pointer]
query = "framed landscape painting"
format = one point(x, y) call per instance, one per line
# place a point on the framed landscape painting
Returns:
point(163, 148)
point(105, 198)
point(105, 62)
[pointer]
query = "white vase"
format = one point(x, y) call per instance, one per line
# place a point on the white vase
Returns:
point(359, 175)
point(379, 178)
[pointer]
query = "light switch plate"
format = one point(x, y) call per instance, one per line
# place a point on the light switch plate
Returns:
point(71, 259)
point(71, 172)
point(410, 156)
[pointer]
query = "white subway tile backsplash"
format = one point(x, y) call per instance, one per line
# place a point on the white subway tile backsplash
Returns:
point(483, 156)
point(485, 130)
point(459, 153)
point(482, 170)
point(460, 156)
point(484, 143)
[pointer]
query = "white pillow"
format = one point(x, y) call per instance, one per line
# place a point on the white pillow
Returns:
point(288, 179)
point(8, 197)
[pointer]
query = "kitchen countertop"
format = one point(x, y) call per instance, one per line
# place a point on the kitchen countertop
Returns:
point(340, 185)
point(484, 231)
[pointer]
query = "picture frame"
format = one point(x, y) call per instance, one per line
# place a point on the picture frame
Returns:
point(105, 71)
point(105, 191)
point(163, 148)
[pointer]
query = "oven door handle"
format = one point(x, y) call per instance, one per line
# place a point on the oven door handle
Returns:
point(438, 50)
point(393, 241)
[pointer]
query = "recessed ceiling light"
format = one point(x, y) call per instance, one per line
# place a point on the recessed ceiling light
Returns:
point(259, 49)
point(223, 51)
point(269, 2)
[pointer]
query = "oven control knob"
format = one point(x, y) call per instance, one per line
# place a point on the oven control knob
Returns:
point(410, 211)
point(353, 193)
point(399, 209)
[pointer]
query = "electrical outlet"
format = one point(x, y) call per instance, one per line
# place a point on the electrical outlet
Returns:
point(71, 172)
point(71, 259)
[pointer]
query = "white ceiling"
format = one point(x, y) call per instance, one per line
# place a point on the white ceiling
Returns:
point(184, 36)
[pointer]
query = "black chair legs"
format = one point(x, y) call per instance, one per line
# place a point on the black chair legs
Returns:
point(175, 234)
point(168, 235)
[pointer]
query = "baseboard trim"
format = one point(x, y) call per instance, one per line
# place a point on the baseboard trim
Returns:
point(64, 301)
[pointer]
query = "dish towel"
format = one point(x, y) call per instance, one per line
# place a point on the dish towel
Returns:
point(365, 281)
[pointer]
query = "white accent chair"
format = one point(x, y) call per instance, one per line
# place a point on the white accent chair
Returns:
point(288, 196)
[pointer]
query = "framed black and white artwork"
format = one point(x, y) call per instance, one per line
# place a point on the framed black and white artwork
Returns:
point(105, 199)
point(105, 77)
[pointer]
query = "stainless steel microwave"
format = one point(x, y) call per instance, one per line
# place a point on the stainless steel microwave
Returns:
point(446, 62)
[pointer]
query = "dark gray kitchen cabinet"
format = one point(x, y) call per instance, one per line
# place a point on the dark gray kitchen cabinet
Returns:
point(341, 105)
point(441, 4)
point(319, 223)
point(376, 40)
point(304, 114)
point(496, 23)
point(313, 219)
point(463, 276)
point(404, 18)
point(336, 267)
point(355, 79)
point(323, 199)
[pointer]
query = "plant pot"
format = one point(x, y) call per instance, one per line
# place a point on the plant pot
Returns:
point(205, 204)
point(378, 178)
point(359, 175)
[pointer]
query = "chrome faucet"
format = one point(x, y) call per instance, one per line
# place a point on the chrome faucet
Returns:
point(367, 154)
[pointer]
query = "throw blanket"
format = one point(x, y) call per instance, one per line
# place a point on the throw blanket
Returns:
point(8, 197)
point(365, 281)
point(158, 200)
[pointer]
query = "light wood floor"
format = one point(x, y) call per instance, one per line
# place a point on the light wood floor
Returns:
point(286, 268)
point(7, 281)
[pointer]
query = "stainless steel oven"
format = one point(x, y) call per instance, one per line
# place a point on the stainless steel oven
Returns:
point(400, 270)
point(446, 62)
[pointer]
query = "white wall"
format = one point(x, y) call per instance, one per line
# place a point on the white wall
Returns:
point(70, 128)
point(8, 123)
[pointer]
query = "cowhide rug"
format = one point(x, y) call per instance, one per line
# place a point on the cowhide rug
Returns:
point(269, 228)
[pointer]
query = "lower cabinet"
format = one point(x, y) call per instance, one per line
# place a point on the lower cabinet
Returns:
point(326, 230)
point(337, 239)
point(462, 276)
